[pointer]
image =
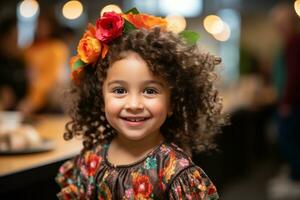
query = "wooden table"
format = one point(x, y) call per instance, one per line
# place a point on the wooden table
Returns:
point(17, 168)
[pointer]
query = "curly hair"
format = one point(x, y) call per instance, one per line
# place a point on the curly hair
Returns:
point(190, 74)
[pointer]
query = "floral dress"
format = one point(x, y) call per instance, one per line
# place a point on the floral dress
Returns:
point(164, 173)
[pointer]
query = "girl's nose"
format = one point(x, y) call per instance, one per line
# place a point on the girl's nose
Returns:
point(134, 104)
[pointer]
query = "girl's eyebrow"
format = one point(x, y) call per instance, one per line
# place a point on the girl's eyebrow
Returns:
point(116, 82)
point(146, 82)
point(154, 82)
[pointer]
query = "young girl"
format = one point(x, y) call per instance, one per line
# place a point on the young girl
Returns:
point(139, 88)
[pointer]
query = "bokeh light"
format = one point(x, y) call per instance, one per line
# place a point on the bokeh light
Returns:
point(109, 8)
point(28, 8)
point(176, 23)
point(224, 35)
point(213, 24)
point(72, 9)
point(297, 7)
point(186, 8)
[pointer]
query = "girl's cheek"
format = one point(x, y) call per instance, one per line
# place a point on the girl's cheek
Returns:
point(113, 104)
point(157, 105)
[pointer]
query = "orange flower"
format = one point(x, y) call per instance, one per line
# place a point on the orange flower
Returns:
point(142, 186)
point(75, 75)
point(104, 50)
point(145, 21)
point(91, 31)
point(75, 71)
point(72, 61)
point(89, 49)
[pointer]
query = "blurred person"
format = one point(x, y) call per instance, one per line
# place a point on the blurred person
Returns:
point(46, 59)
point(287, 82)
point(13, 80)
point(68, 36)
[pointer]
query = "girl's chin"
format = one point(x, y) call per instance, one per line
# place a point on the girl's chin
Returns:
point(134, 136)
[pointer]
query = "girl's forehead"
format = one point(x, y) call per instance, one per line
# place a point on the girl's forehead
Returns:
point(132, 68)
point(129, 54)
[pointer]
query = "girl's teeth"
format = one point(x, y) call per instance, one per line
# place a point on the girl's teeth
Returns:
point(135, 120)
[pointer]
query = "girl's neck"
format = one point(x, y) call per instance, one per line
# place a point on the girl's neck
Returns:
point(138, 145)
point(123, 151)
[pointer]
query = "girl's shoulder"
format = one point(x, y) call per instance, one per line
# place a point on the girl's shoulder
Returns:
point(87, 158)
point(173, 160)
point(98, 150)
point(79, 172)
point(171, 153)
point(193, 183)
point(182, 177)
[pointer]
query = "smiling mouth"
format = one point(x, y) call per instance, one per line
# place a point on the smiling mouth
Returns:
point(134, 119)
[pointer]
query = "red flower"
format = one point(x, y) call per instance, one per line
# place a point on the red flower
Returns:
point(92, 162)
point(160, 180)
point(142, 186)
point(109, 27)
point(211, 190)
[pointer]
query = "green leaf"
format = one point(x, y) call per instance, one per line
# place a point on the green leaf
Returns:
point(190, 37)
point(78, 64)
point(132, 11)
point(128, 27)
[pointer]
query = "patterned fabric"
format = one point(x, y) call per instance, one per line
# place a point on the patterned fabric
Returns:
point(165, 173)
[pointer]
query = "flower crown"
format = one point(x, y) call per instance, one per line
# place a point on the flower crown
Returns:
point(96, 39)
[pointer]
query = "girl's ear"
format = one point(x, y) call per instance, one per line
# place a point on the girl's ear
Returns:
point(170, 113)
point(170, 110)
point(171, 107)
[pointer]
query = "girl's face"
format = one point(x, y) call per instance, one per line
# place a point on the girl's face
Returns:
point(136, 102)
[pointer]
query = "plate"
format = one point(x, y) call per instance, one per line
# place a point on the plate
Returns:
point(45, 145)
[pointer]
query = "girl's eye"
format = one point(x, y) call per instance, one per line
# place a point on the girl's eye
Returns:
point(150, 91)
point(119, 91)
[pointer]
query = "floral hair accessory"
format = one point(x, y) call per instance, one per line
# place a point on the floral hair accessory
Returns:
point(109, 27)
point(96, 39)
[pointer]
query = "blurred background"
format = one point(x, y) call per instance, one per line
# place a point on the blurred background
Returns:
point(258, 154)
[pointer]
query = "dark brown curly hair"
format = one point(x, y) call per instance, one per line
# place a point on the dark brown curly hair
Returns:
point(190, 74)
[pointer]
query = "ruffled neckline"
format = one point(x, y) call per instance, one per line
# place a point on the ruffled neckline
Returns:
point(152, 152)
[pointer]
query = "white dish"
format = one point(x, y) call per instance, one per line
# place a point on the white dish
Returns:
point(45, 145)
point(10, 120)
